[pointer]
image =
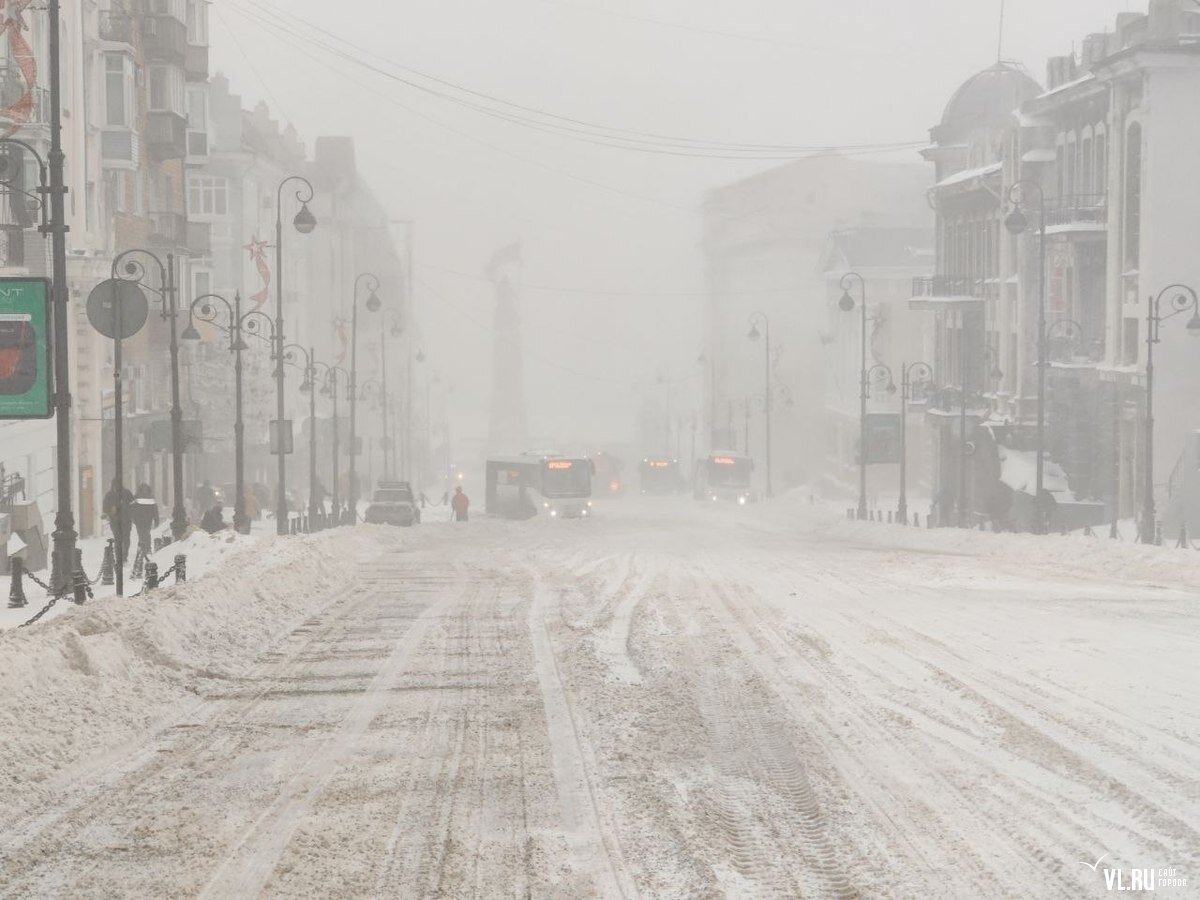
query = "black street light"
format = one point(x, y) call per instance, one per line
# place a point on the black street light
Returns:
point(373, 304)
point(373, 387)
point(846, 304)
point(304, 222)
point(308, 386)
point(1184, 300)
point(912, 376)
point(53, 222)
point(330, 389)
point(128, 267)
point(768, 402)
point(202, 308)
point(1017, 222)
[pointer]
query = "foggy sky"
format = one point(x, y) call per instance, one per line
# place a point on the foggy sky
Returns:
point(802, 72)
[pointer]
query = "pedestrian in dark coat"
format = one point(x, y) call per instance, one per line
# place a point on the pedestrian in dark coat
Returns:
point(117, 504)
point(145, 516)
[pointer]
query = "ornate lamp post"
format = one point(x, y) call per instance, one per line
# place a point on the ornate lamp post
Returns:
point(308, 386)
point(1184, 300)
point(1017, 222)
point(768, 403)
point(304, 222)
point(373, 387)
point(135, 271)
point(330, 389)
point(202, 308)
point(846, 304)
point(373, 304)
point(912, 376)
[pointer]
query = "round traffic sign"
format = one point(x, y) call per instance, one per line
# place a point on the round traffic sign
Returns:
point(117, 308)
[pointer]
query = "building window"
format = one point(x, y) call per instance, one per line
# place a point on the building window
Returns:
point(208, 196)
point(1133, 196)
point(166, 89)
point(197, 22)
point(1101, 164)
point(118, 90)
point(201, 282)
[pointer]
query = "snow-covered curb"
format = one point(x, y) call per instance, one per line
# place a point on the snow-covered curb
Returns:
point(98, 675)
point(1094, 557)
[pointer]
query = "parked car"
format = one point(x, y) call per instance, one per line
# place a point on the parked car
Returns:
point(393, 504)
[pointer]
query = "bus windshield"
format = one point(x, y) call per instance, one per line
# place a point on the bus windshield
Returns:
point(566, 478)
point(660, 475)
point(727, 471)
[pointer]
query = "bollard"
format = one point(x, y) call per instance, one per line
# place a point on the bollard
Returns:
point(1158, 533)
point(151, 581)
point(80, 580)
point(850, 514)
point(180, 568)
point(889, 517)
point(16, 593)
point(916, 520)
point(108, 575)
point(1183, 537)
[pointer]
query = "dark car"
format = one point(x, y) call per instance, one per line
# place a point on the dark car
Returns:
point(393, 504)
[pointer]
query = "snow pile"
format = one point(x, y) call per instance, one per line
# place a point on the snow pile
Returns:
point(95, 677)
point(1089, 557)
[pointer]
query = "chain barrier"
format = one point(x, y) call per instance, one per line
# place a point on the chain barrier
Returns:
point(45, 609)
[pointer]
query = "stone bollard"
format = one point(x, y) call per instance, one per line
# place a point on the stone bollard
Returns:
point(79, 580)
point(151, 581)
point(180, 568)
point(16, 593)
point(108, 568)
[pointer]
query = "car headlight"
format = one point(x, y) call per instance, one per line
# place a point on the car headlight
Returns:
point(742, 501)
point(714, 498)
point(553, 513)
point(546, 505)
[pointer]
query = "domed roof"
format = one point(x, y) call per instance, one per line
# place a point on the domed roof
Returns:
point(996, 91)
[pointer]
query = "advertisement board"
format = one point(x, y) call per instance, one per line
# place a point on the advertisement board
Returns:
point(26, 385)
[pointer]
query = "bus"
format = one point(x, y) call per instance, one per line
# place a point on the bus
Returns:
point(660, 475)
point(725, 476)
point(521, 487)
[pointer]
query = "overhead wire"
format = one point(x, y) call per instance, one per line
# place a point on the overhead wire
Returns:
point(550, 122)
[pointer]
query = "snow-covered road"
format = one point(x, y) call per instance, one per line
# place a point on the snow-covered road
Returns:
point(671, 700)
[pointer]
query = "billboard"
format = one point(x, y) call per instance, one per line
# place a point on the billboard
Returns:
point(883, 439)
point(26, 385)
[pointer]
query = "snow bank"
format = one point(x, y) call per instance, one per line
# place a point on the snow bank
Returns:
point(1088, 557)
point(96, 676)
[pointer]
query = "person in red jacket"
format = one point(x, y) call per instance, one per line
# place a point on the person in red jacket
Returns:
point(460, 504)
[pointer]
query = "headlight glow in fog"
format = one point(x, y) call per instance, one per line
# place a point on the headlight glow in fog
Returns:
point(741, 501)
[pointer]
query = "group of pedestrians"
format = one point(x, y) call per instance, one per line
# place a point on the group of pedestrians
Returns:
point(125, 512)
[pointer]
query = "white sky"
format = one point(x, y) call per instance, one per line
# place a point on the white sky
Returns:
point(804, 72)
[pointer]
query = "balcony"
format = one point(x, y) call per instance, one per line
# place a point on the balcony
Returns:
point(168, 230)
point(164, 40)
point(116, 27)
point(120, 149)
point(166, 136)
point(199, 238)
point(195, 65)
point(944, 292)
point(1077, 212)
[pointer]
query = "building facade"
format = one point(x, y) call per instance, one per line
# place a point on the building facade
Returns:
point(1106, 144)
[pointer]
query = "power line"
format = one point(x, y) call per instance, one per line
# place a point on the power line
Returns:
point(578, 129)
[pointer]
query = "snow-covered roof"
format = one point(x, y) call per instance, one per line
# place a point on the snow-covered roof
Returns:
point(969, 174)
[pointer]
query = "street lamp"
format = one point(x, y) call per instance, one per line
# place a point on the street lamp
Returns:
point(373, 304)
point(304, 222)
point(376, 388)
point(330, 389)
point(1017, 222)
point(846, 304)
point(912, 375)
point(134, 271)
point(53, 216)
point(1184, 300)
point(754, 335)
point(308, 386)
point(202, 308)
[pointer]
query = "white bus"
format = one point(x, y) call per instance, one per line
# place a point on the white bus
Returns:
point(725, 476)
point(521, 487)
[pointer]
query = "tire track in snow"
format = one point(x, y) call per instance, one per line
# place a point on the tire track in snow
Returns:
point(592, 839)
point(248, 867)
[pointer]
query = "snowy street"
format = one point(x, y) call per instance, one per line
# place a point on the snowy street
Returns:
point(671, 700)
